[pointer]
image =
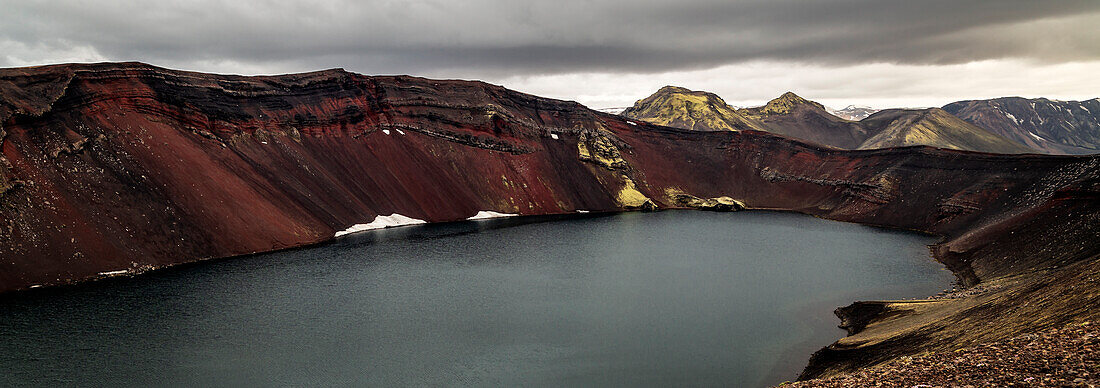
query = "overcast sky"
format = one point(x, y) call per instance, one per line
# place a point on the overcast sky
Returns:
point(880, 53)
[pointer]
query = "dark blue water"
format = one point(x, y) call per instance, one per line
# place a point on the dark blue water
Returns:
point(669, 298)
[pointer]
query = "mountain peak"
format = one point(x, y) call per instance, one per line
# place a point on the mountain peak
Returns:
point(673, 89)
point(789, 95)
point(787, 103)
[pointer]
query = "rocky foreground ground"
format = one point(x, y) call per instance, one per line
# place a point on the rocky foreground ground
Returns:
point(1066, 357)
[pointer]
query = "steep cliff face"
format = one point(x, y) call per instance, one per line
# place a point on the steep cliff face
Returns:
point(128, 167)
point(1056, 127)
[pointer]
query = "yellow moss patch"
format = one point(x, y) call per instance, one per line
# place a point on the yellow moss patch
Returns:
point(629, 196)
point(671, 193)
point(600, 151)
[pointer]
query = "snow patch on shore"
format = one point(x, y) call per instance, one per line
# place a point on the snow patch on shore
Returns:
point(380, 222)
point(485, 214)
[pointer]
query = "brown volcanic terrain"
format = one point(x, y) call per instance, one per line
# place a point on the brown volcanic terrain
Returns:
point(126, 166)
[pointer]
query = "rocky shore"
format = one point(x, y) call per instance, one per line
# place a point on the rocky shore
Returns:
point(1063, 357)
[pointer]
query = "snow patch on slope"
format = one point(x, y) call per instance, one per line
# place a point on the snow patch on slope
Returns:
point(485, 214)
point(380, 222)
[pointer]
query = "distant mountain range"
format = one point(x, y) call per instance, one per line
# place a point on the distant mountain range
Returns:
point(1055, 127)
point(796, 117)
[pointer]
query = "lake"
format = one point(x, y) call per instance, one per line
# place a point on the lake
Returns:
point(635, 299)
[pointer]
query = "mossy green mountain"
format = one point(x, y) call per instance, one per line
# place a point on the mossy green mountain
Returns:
point(688, 109)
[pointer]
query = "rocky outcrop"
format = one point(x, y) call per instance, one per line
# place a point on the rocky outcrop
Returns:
point(719, 204)
point(125, 167)
point(1050, 126)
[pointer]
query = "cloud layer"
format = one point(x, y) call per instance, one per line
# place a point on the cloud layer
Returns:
point(498, 40)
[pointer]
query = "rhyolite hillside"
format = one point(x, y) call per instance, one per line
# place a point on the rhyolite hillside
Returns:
point(119, 168)
point(1055, 127)
point(933, 127)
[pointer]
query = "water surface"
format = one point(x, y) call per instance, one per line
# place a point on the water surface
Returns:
point(638, 299)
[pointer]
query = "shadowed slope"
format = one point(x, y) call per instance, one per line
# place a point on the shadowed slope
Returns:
point(933, 127)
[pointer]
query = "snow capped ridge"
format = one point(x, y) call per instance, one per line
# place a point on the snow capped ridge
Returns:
point(853, 112)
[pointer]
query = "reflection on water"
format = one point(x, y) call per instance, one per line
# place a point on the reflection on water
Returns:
point(677, 297)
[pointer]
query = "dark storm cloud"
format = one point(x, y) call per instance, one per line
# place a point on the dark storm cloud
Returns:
point(550, 36)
